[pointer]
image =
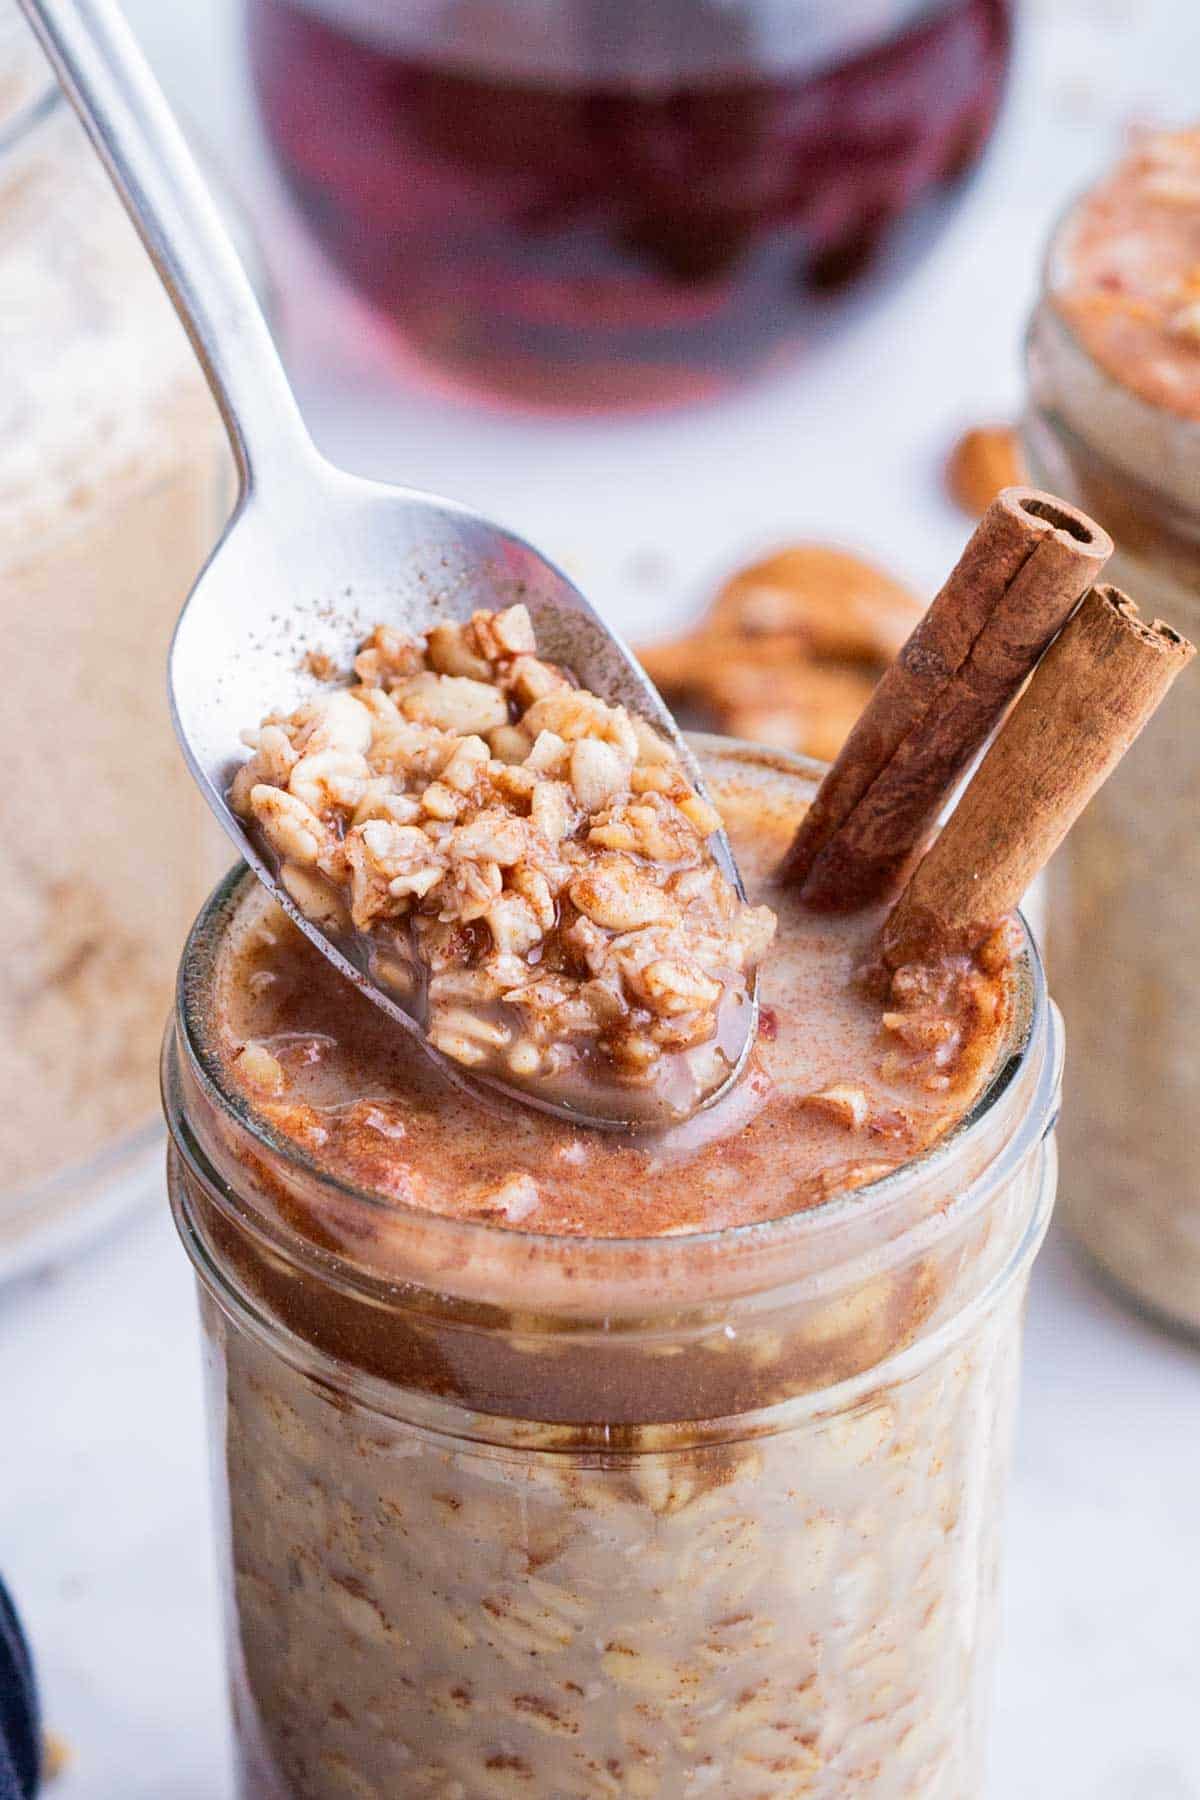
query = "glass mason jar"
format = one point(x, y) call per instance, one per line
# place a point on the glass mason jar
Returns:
point(589, 202)
point(114, 478)
point(509, 1514)
point(1123, 887)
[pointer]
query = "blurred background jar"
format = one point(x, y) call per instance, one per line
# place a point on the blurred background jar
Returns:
point(1113, 423)
point(114, 479)
point(601, 202)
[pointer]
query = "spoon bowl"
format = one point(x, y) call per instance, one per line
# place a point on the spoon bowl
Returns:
point(313, 557)
point(290, 586)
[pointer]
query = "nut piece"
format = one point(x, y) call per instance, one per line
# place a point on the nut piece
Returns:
point(983, 461)
point(790, 650)
point(263, 1071)
point(599, 772)
point(616, 894)
point(672, 985)
point(386, 656)
point(832, 603)
point(514, 925)
point(516, 1198)
point(549, 754)
point(338, 722)
point(468, 759)
point(452, 702)
point(450, 654)
point(532, 680)
point(290, 826)
point(573, 713)
point(316, 899)
point(1185, 320)
point(550, 811)
point(509, 744)
point(492, 836)
point(504, 634)
point(842, 1102)
point(331, 777)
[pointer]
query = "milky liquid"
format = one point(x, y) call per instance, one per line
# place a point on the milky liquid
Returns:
point(363, 1100)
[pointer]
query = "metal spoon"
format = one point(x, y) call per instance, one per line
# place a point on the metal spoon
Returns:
point(313, 557)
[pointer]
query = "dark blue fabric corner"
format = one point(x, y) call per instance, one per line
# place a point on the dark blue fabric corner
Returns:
point(20, 1731)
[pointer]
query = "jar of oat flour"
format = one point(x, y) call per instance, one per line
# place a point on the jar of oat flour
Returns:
point(114, 479)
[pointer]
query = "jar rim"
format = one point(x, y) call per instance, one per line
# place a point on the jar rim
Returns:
point(1131, 460)
point(1028, 1064)
point(542, 41)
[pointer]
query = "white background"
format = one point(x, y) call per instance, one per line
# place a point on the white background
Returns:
point(104, 1530)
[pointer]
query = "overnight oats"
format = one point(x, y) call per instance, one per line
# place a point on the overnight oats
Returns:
point(565, 1462)
point(522, 864)
point(1114, 422)
point(562, 1465)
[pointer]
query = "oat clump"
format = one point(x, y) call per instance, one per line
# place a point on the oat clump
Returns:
point(530, 859)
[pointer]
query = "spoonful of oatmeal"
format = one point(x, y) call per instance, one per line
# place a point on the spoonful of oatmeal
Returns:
point(465, 792)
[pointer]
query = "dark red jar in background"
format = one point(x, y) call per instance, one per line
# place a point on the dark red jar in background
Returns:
point(596, 202)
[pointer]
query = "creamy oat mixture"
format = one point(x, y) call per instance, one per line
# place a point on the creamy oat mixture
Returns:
point(529, 865)
point(806, 1617)
point(842, 1086)
point(1126, 272)
point(479, 1550)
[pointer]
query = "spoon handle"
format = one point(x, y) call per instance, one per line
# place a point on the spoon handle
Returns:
point(125, 113)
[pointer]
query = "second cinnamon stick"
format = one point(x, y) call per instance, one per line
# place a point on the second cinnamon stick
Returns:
point(1090, 696)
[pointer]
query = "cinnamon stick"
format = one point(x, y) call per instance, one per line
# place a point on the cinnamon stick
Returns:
point(1090, 696)
point(1023, 571)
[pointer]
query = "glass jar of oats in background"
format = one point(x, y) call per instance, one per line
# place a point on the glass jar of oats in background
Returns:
point(509, 1513)
point(1113, 423)
point(114, 478)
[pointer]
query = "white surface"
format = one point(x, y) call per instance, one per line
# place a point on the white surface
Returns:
point(68, 1215)
point(103, 1496)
